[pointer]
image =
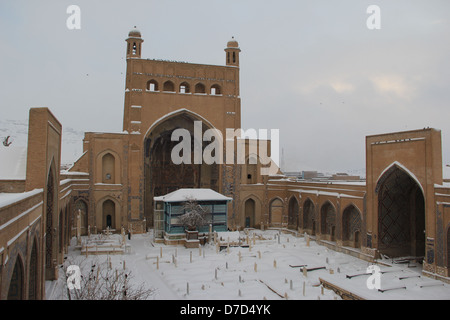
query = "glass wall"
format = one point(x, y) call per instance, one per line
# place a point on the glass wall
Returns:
point(216, 215)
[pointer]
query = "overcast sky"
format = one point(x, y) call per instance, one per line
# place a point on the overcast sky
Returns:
point(309, 68)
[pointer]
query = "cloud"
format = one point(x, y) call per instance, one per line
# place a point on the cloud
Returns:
point(342, 86)
point(311, 87)
point(309, 68)
point(394, 85)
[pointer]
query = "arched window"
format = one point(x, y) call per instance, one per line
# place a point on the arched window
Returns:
point(109, 210)
point(216, 90)
point(185, 88)
point(108, 169)
point(152, 85)
point(200, 88)
point(169, 86)
point(252, 170)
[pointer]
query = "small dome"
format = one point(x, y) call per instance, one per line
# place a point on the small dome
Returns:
point(232, 43)
point(134, 33)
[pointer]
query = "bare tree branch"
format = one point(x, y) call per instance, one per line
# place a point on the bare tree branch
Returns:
point(100, 282)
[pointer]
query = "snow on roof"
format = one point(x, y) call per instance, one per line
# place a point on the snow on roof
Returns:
point(74, 173)
point(443, 185)
point(197, 194)
point(348, 182)
point(13, 162)
point(7, 199)
point(326, 193)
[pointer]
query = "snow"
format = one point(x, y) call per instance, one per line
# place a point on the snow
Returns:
point(267, 269)
point(9, 198)
point(229, 236)
point(13, 161)
point(72, 139)
point(23, 214)
point(347, 182)
point(443, 185)
point(333, 194)
point(198, 194)
point(74, 173)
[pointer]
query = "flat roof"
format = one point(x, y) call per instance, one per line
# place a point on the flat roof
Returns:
point(182, 195)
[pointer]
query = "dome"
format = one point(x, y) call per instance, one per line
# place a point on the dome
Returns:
point(134, 33)
point(232, 43)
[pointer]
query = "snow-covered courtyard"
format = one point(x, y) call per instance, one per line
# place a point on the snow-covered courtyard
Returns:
point(269, 268)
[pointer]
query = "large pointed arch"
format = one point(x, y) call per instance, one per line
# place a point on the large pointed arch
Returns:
point(177, 113)
point(396, 165)
point(161, 174)
point(51, 221)
point(401, 213)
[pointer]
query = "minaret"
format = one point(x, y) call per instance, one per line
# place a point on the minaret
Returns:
point(232, 53)
point(134, 44)
point(134, 51)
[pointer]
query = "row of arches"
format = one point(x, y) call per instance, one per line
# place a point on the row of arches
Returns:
point(30, 265)
point(184, 87)
point(106, 218)
point(399, 223)
point(325, 220)
point(25, 276)
point(328, 220)
point(17, 288)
